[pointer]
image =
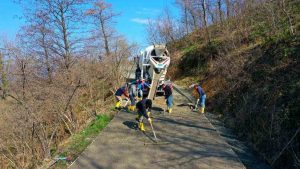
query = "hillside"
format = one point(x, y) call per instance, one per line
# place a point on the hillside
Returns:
point(252, 81)
point(65, 60)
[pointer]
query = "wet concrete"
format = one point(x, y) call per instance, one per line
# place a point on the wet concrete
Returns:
point(245, 152)
point(186, 140)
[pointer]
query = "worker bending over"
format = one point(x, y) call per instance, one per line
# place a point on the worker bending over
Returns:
point(122, 91)
point(133, 93)
point(168, 89)
point(143, 109)
point(140, 86)
point(202, 97)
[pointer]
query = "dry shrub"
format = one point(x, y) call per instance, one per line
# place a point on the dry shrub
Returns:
point(43, 114)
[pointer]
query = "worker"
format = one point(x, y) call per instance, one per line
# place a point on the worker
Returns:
point(141, 85)
point(119, 93)
point(138, 73)
point(168, 89)
point(147, 76)
point(202, 97)
point(133, 93)
point(136, 92)
point(143, 109)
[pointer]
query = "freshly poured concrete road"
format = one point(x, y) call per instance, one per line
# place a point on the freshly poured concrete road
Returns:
point(186, 140)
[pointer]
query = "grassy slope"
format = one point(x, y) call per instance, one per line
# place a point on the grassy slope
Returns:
point(254, 87)
point(77, 143)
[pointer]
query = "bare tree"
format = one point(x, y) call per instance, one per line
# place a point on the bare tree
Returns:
point(37, 37)
point(153, 35)
point(184, 6)
point(228, 8)
point(166, 26)
point(3, 72)
point(164, 29)
point(204, 18)
point(220, 11)
point(121, 51)
point(63, 18)
point(103, 16)
point(211, 11)
point(65, 15)
point(41, 114)
point(191, 13)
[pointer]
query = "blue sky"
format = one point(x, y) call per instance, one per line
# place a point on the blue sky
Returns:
point(9, 19)
point(131, 22)
point(135, 14)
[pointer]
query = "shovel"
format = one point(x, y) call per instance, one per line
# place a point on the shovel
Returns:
point(153, 132)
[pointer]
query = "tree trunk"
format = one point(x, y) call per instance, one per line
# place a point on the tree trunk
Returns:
point(220, 12)
point(4, 81)
point(186, 18)
point(46, 53)
point(33, 158)
point(105, 38)
point(67, 57)
point(23, 67)
point(194, 20)
point(228, 8)
point(204, 9)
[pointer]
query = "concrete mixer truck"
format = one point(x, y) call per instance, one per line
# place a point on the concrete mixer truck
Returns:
point(152, 65)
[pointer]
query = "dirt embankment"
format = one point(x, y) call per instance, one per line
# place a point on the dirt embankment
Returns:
point(255, 90)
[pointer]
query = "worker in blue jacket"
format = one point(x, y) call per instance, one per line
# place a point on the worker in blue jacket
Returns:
point(141, 85)
point(122, 91)
point(202, 97)
point(168, 90)
point(143, 108)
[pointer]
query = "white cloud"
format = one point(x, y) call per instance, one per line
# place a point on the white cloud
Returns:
point(141, 20)
point(148, 11)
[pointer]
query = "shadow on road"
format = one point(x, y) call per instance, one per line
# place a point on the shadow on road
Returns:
point(189, 105)
point(157, 109)
point(131, 124)
point(187, 124)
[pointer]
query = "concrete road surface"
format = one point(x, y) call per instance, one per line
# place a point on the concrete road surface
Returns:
point(186, 140)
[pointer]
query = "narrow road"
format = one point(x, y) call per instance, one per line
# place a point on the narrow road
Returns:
point(186, 140)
